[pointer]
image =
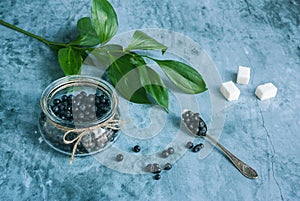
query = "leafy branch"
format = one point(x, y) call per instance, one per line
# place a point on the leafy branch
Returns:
point(127, 70)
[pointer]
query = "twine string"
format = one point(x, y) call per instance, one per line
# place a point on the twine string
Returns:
point(110, 123)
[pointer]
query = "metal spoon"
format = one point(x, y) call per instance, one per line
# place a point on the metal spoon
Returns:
point(197, 127)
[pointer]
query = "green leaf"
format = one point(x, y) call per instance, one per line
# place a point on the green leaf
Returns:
point(123, 74)
point(87, 34)
point(154, 86)
point(105, 20)
point(108, 53)
point(183, 76)
point(69, 60)
point(141, 41)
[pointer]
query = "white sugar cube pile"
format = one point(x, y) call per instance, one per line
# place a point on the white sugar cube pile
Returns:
point(230, 91)
point(266, 91)
point(243, 75)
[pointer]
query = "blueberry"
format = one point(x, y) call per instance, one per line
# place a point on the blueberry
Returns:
point(187, 120)
point(157, 177)
point(87, 113)
point(189, 145)
point(69, 108)
point(97, 100)
point(82, 107)
point(61, 106)
point(75, 109)
point(196, 130)
point(93, 108)
point(91, 98)
point(83, 93)
point(167, 166)
point(202, 131)
point(157, 170)
point(68, 115)
point(187, 114)
point(165, 153)
point(56, 101)
point(102, 96)
point(91, 116)
point(81, 116)
point(74, 101)
point(155, 165)
point(71, 97)
point(136, 148)
point(196, 117)
point(171, 150)
point(198, 147)
point(78, 97)
point(64, 98)
point(149, 168)
point(55, 109)
point(119, 157)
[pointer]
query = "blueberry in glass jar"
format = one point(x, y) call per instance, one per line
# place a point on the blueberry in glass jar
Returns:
point(70, 112)
point(81, 107)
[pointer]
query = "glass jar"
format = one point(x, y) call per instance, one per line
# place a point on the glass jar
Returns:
point(79, 115)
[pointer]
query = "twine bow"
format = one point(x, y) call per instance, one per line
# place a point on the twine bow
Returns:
point(110, 123)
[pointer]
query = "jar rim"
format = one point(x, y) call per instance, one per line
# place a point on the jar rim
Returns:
point(77, 80)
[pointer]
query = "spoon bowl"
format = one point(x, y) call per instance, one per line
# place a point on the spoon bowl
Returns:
point(197, 127)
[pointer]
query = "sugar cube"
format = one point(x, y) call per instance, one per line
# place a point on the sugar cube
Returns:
point(243, 75)
point(230, 91)
point(266, 91)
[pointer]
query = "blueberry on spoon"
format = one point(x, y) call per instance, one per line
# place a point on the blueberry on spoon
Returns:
point(195, 124)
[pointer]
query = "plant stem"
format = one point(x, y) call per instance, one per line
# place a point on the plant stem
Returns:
point(25, 32)
point(55, 45)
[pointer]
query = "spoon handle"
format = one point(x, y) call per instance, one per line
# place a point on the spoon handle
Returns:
point(245, 169)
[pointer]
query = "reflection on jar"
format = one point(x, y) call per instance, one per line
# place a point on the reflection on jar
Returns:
point(79, 115)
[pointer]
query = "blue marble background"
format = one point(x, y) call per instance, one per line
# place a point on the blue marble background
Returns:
point(262, 34)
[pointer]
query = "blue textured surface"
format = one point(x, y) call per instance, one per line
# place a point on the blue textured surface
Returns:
point(264, 35)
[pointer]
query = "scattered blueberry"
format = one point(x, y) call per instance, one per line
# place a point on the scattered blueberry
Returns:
point(157, 177)
point(119, 157)
point(167, 166)
point(136, 148)
point(155, 165)
point(197, 147)
point(157, 170)
point(150, 168)
point(165, 153)
point(189, 145)
point(171, 150)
